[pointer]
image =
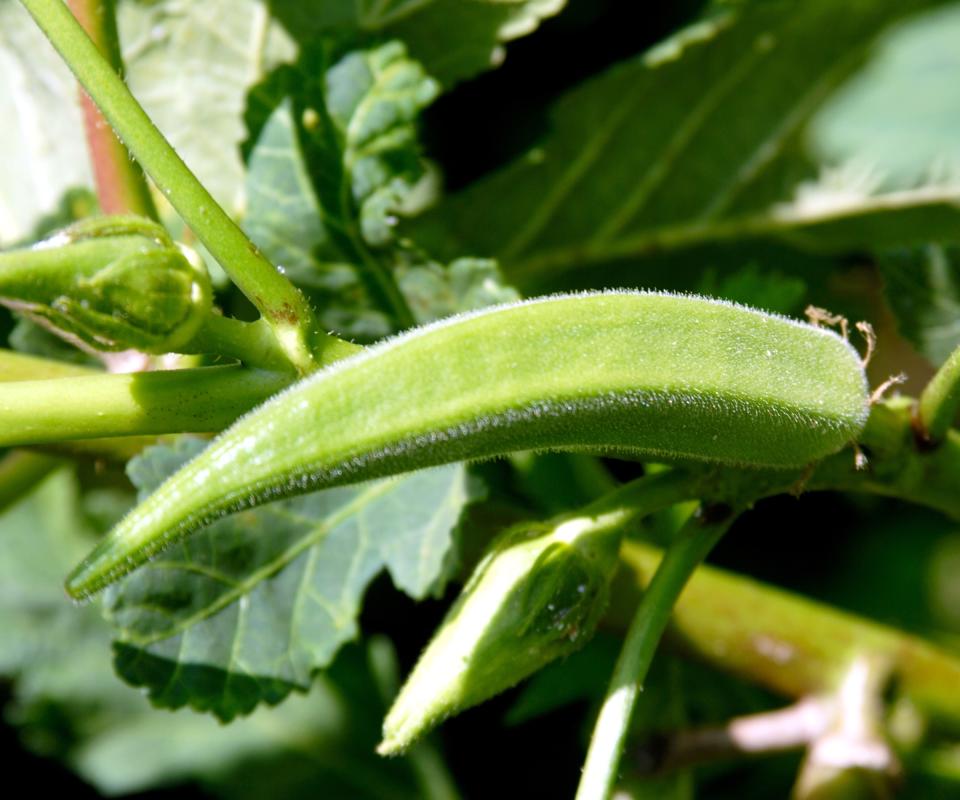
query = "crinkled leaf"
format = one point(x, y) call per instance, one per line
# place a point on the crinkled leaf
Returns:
point(284, 217)
point(66, 696)
point(698, 141)
point(317, 745)
point(453, 39)
point(334, 155)
point(251, 607)
point(433, 291)
point(923, 289)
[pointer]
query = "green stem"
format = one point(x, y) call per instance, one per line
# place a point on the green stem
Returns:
point(785, 642)
point(21, 367)
point(694, 541)
point(20, 471)
point(178, 401)
point(282, 305)
point(897, 465)
point(121, 185)
point(251, 343)
point(638, 499)
point(940, 401)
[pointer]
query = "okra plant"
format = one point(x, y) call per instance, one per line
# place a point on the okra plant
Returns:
point(331, 452)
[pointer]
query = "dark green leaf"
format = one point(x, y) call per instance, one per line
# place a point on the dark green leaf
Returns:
point(923, 289)
point(453, 39)
point(698, 141)
point(251, 607)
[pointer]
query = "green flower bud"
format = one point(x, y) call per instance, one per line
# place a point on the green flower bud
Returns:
point(112, 283)
point(537, 595)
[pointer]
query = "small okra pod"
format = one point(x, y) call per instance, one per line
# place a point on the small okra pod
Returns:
point(536, 595)
point(666, 376)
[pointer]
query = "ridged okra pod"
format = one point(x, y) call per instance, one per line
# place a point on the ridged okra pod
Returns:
point(665, 376)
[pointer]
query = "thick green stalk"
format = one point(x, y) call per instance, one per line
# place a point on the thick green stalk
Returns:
point(251, 343)
point(693, 542)
point(282, 305)
point(121, 185)
point(178, 401)
point(940, 400)
point(792, 645)
point(21, 367)
point(898, 466)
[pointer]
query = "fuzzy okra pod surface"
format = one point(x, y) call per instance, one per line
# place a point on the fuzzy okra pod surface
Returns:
point(671, 377)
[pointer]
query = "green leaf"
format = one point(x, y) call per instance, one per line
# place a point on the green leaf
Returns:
point(320, 744)
point(923, 289)
point(67, 700)
point(253, 606)
point(899, 113)
point(434, 291)
point(285, 219)
point(330, 164)
point(698, 141)
point(44, 156)
point(44, 639)
point(769, 290)
point(453, 39)
point(190, 65)
point(168, 49)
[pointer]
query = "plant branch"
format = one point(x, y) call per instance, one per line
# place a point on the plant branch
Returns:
point(22, 367)
point(251, 343)
point(940, 401)
point(281, 304)
point(179, 401)
point(121, 186)
point(787, 643)
point(693, 542)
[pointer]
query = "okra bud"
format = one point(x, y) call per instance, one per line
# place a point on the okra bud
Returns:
point(536, 596)
point(111, 283)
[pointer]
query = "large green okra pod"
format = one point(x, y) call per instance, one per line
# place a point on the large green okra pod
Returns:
point(659, 375)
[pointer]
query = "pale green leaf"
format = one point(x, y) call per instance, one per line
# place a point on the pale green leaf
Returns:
point(434, 291)
point(901, 113)
point(190, 65)
point(698, 141)
point(320, 744)
point(452, 38)
point(58, 656)
point(253, 606)
point(44, 154)
point(40, 629)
